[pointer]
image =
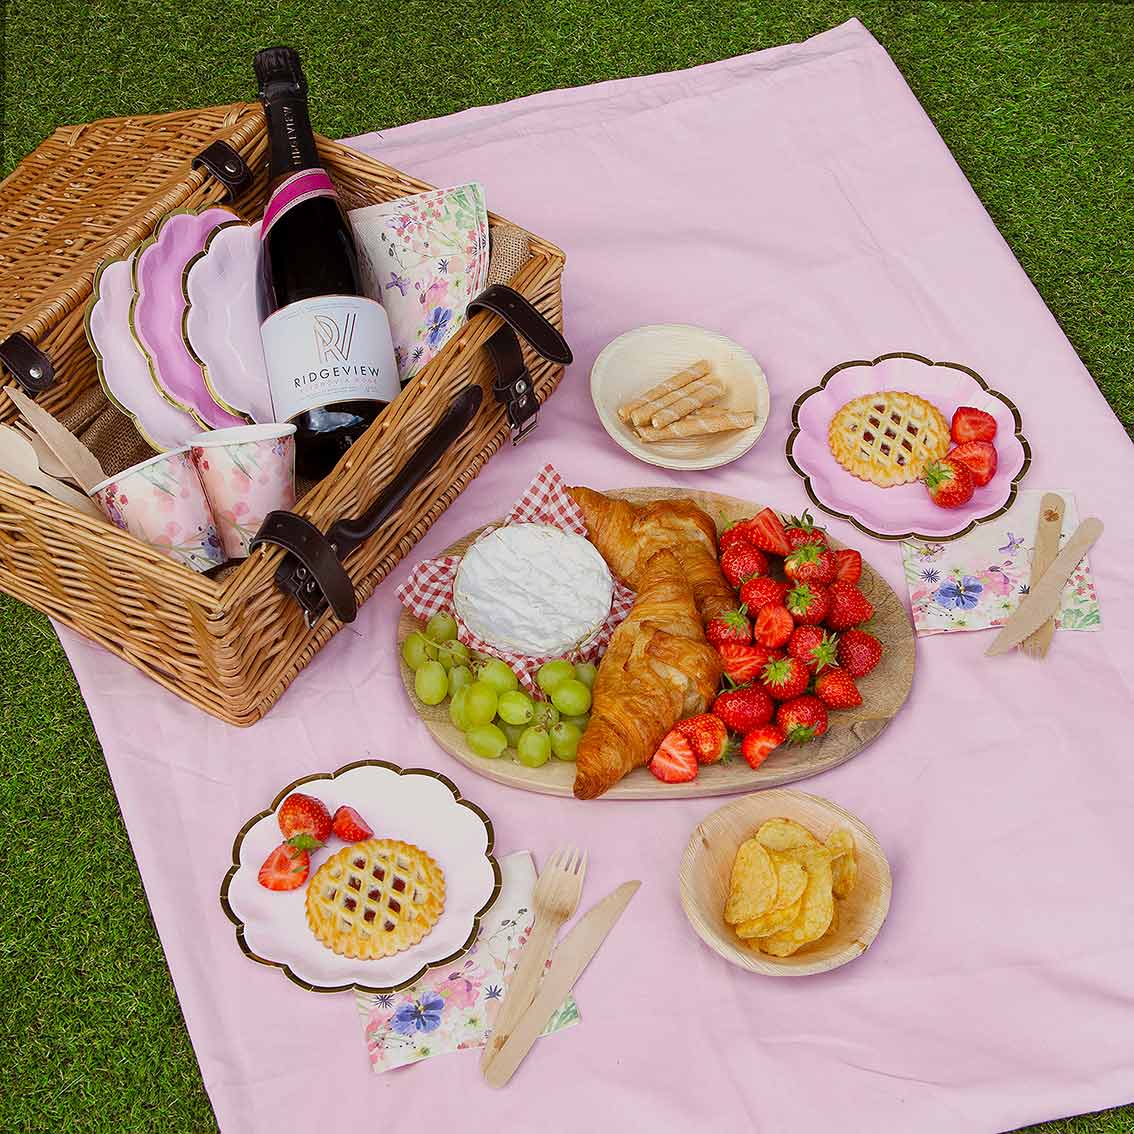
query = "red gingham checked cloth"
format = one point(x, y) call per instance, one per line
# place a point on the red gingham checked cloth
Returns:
point(545, 501)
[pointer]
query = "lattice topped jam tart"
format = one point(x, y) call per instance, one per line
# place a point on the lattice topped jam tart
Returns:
point(888, 437)
point(375, 898)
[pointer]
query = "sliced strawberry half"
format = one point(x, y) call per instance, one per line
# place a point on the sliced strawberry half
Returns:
point(848, 565)
point(970, 424)
point(760, 743)
point(979, 457)
point(286, 868)
point(774, 625)
point(766, 531)
point(674, 762)
point(349, 826)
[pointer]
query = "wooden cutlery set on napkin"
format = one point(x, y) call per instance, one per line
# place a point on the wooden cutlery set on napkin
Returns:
point(530, 1000)
point(1032, 625)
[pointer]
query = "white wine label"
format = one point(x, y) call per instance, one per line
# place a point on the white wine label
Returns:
point(333, 348)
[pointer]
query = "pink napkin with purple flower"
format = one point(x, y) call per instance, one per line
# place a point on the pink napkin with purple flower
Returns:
point(452, 1007)
point(977, 581)
point(424, 257)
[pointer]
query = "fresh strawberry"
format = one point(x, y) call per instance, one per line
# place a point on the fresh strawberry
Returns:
point(814, 647)
point(801, 529)
point(744, 709)
point(756, 593)
point(810, 563)
point(972, 425)
point(848, 565)
point(743, 561)
point(979, 457)
point(766, 531)
point(774, 625)
point(733, 535)
point(808, 603)
point(948, 482)
point(350, 826)
point(286, 868)
point(785, 678)
point(301, 814)
point(730, 627)
point(802, 718)
point(837, 690)
point(849, 606)
point(758, 744)
point(742, 663)
point(674, 762)
point(859, 652)
point(707, 736)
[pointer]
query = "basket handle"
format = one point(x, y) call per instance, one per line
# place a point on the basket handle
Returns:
point(312, 572)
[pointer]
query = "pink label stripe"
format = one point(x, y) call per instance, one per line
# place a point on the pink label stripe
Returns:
point(301, 186)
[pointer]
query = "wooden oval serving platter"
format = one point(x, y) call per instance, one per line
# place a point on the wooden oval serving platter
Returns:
point(884, 691)
point(706, 871)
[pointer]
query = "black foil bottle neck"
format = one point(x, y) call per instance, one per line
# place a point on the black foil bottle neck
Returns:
point(283, 92)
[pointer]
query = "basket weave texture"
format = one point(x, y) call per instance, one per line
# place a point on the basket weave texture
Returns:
point(231, 646)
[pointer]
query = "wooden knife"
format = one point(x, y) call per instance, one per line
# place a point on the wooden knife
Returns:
point(1049, 527)
point(1043, 601)
point(567, 964)
point(74, 455)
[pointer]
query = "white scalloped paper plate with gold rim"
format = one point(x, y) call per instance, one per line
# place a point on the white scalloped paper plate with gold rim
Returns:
point(415, 805)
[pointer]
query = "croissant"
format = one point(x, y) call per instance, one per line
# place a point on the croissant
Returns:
point(627, 535)
point(657, 669)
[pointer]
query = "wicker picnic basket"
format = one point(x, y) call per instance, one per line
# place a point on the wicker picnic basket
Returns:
point(230, 645)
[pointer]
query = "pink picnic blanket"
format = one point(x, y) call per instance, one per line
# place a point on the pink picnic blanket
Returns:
point(800, 201)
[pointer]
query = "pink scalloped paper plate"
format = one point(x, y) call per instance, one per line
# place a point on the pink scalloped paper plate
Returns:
point(221, 325)
point(122, 371)
point(904, 511)
point(159, 307)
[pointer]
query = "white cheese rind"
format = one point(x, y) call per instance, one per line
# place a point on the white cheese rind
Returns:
point(533, 589)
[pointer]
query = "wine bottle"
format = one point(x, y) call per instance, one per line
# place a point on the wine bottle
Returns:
point(327, 347)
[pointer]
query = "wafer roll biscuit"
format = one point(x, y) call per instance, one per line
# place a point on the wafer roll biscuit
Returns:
point(669, 386)
point(688, 399)
point(699, 424)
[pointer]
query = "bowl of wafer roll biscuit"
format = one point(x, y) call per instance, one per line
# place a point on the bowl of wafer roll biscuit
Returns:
point(679, 396)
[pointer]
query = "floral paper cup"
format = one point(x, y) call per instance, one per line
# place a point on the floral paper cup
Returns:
point(161, 501)
point(247, 472)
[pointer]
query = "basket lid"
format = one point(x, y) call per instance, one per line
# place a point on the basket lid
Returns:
point(92, 191)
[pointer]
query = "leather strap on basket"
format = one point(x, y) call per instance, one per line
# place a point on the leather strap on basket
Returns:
point(318, 578)
point(31, 368)
point(227, 166)
point(312, 573)
point(513, 384)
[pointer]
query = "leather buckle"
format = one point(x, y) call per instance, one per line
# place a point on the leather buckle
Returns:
point(30, 366)
point(316, 578)
point(513, 385)
point(227, 166)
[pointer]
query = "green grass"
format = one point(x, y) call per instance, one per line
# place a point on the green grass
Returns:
point(1035, 101)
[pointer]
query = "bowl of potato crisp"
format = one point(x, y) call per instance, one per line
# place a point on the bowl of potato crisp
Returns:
point(785, 884)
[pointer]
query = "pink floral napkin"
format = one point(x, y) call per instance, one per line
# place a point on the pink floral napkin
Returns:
point(452, 1007)
point(977, 581)
point(424, 257)
point(545, 501)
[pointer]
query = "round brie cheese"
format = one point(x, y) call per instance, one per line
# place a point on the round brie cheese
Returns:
point(533, 589)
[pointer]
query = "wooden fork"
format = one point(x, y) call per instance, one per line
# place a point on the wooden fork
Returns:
point(555, 899)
